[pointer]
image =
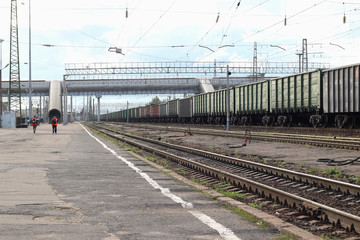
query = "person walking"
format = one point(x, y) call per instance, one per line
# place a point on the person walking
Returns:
point(34, 123)
point(54, 123)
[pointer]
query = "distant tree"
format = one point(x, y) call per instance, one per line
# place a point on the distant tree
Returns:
point(156, 100)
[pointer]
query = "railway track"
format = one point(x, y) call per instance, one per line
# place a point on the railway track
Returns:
point(350, 143)
point(324, 199)
point(310, 130)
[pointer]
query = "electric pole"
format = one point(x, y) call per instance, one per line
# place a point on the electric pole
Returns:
point(14, 92)
point(255, 63)
point(305, 59)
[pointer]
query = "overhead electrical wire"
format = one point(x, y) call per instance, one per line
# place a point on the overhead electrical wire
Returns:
point(90, 36)
point(132, 9)
point(279, 22)
point(147, 55)
point(258, 5)
point(323, 41)
point(239, 2)
point(211, 28)
point(125, 22)
point(197, 42)
point(152, 26)
point(280, 28)
point(109, 44)
point(232, 17)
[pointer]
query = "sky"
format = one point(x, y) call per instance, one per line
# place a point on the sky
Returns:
point(82, 31)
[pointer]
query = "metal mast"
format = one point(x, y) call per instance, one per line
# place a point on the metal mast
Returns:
point(14, 94)
point(305, 60)
point(255, 67)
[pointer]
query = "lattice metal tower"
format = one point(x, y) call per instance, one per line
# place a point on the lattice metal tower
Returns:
point(14, 94)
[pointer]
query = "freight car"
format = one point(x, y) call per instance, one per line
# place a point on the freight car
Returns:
point(295, 99)
point(173, 111)
point(201, 105)
point(319, 98)
point(251, 104)
point(341, 96)
point(163, 112)
point(185, 110)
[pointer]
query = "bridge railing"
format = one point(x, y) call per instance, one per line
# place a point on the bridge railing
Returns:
point(174, 69)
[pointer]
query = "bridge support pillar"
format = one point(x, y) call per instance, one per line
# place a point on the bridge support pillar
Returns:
point(98, 107)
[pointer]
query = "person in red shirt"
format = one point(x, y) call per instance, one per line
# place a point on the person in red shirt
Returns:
point(34, 123)
point(54, 123)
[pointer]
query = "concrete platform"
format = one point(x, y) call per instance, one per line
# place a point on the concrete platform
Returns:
point(72, 185)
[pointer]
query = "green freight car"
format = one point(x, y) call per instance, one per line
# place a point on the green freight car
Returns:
point(294, 99)
point(218, 106)
point(173, 110)
point(201, 105)
point(211, 107)
point(251, 103)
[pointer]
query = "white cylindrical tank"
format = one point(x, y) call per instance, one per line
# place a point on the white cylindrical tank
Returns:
point(55, 100)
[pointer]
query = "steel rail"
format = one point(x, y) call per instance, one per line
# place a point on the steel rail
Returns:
point(344, 187)
point(317, 210)
point(342, 142)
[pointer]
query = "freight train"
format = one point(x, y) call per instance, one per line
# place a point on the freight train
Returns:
point(329, 97)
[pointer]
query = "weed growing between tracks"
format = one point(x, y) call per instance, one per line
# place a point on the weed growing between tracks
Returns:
point(233, 195)
point(180, 171)
point(282, 164)
point(285, 237)
point(302, 165)
point(355, 179)
point(329, 238)
point(247, 216)
point(236, 154)
point(161, 161)
point(333, 172)
point(313, 170)
point(266, 160)
point(198, 181)
point(256, 205)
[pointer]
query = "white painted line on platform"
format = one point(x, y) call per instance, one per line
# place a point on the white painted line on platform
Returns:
point(224, 232)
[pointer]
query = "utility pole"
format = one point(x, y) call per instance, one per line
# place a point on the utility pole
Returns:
point(71, 108)
point(87, 108)
point(40, 107)
point(65, 116)
point(305, 59)
point(255, 63)
point(14, 92)
point(227, 99)
point(300, 54)
point(98, 107)
point(30, 87)
point(127, 111)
